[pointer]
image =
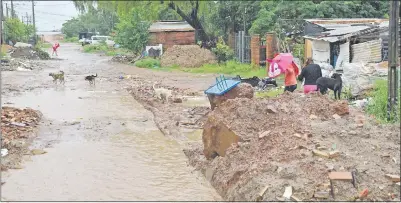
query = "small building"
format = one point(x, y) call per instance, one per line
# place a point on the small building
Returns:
point(169, 33)
point(336, 41)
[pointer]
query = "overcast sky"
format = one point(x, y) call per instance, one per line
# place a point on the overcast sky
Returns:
point(49, 15)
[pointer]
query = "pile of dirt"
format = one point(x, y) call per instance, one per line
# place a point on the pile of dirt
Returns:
point(279, 143)
point(16, 64)
point(29, 53)
point(170, 117)
point(187, 56)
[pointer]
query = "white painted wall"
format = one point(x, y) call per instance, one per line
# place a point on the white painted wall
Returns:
point(343, 56)
point(320, 51)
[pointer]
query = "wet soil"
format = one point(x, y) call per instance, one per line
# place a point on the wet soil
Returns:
point(101, 143)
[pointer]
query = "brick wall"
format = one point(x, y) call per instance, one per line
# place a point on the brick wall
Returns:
point(255, 49)
point(270, 46)
point(168, 39)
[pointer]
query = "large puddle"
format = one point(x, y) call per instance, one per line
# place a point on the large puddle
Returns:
point(113, 152)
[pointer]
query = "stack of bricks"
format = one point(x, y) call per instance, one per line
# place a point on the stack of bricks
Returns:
point(255, 50)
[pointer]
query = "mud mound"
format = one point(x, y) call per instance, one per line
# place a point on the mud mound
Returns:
point(187, 56)
point(279, 143)
point(29, 53)
point(15, 64)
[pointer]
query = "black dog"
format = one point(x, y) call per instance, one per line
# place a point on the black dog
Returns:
point(267, 81)
point(254, 81)
point(91, 79)
point(334, 83)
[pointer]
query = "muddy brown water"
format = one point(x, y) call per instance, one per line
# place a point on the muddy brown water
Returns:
point(101, 144)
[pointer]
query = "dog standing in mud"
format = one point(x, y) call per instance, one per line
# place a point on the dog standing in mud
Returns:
point(162, 93)
point(91, 79)
point(334, 83)
point(58, 76)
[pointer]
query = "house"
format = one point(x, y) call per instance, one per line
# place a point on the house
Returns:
point(169, 33)
point(336, 41)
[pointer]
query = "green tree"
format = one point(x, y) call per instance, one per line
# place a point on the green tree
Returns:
point(132, 31)
point(17, 31)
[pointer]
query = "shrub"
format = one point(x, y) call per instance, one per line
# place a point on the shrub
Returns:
point(148, 63)
point(71, 39)
point(378, 105)
point(222, 51)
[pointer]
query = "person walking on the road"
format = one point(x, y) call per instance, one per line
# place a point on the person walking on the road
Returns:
point(55, 47)
point(290, 79)
point(311, 72)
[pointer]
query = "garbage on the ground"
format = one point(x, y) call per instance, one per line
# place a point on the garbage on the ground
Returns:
point(4, 152)
point(17, 124)
point(364, 193)
point(121, 58)
point(15, 64)
point(362, 103)
point(288, 192)
point(21, 44)
point(358, 77)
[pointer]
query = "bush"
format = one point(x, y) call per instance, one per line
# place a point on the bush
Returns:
point(71, 39)
point(132, 31)
point(148, 63)
point(378, 105)
point(223, 52)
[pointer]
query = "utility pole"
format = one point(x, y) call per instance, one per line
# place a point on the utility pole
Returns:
point(6, 10)
point(34, 25)
point(26, 18)
point(1, 23)
point(392, 59)
point(12, 9)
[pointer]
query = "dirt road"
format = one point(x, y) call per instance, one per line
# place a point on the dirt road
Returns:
point(101, 144)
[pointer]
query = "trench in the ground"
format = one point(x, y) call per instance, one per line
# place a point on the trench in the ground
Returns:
point(101, 145)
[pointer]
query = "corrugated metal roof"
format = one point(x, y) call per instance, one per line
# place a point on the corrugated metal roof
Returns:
point(163, 26)
point(342, 33)
point(344, 20)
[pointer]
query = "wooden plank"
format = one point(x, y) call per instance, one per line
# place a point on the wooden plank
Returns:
point(340, 176)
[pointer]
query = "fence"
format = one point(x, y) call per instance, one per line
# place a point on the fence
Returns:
point(242, 44)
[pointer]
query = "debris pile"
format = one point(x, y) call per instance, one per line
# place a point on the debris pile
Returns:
point(17, 124)
point(259, 148)
point(243, 90)
point(187, 56)
point(125, 58)
point(15, 64)
point(29, 53)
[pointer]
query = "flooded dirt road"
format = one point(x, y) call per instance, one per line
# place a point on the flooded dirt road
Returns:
point(101, 144)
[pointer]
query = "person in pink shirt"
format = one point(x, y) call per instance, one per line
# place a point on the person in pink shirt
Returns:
point(55, 47)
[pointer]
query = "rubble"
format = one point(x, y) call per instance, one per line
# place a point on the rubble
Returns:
point(16, 64)
point(29, 53)
point(27, 120)
point(258, 157)
point(121, 58)
point(187, 56)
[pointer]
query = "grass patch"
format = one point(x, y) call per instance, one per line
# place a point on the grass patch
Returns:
point(70, 40)
point(148, 63)
point(231, 68)
point(377, 107)
point(269, 93)
point(41, 45)
point(103, 48)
